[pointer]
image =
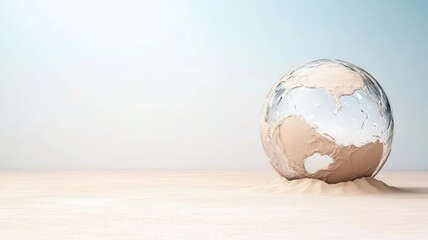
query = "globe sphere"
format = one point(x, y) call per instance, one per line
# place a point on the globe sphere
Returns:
point(328, 120)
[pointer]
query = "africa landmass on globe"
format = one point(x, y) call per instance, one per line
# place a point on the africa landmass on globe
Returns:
point(328, 120)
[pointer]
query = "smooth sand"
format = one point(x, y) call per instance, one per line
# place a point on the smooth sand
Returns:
point(248, 204)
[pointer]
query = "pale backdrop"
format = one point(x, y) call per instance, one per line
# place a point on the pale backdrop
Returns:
point(180, 84)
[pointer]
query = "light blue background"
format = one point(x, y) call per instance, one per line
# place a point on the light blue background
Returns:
point(180, 84)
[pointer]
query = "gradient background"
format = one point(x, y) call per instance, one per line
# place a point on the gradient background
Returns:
point(180, 84)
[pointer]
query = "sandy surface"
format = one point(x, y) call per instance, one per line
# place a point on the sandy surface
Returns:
point(249, 204)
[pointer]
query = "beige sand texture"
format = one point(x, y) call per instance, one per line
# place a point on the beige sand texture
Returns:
point(238, 204)
point(314, 186)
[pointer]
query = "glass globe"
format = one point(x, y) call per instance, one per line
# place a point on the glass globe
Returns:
point(327, 120)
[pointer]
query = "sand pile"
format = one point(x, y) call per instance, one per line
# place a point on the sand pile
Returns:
point(313, 186)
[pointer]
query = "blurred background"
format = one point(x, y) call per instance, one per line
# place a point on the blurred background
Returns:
point(180, 84)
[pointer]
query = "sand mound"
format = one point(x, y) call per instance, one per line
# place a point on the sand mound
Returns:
point(310, 186)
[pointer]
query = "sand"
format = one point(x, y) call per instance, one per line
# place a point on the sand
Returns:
point(232, 204)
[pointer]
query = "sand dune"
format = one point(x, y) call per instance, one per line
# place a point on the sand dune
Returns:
point(313, 186)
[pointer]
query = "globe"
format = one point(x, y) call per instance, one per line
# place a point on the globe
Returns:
point(328, 120)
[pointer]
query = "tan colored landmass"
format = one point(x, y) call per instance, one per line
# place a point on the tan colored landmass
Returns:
point(336, 79)
point(298, 140)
